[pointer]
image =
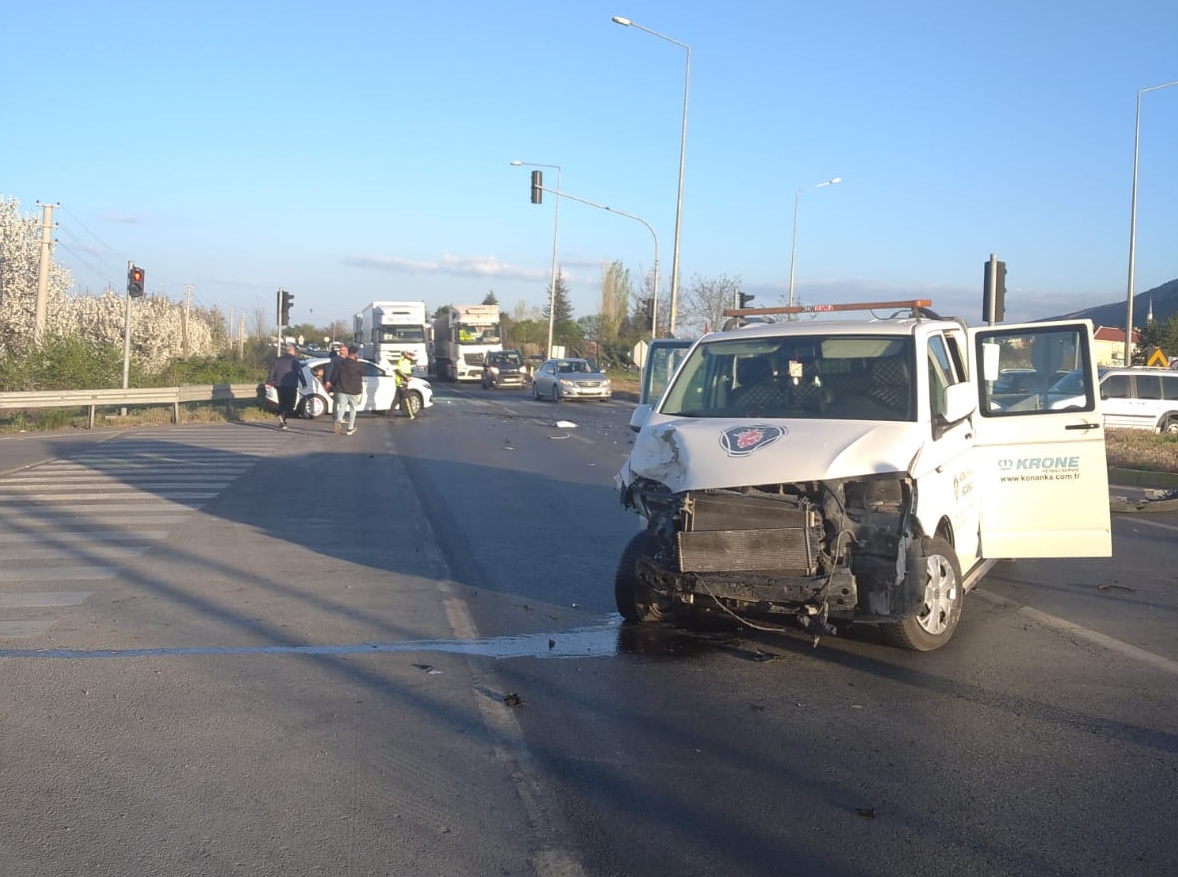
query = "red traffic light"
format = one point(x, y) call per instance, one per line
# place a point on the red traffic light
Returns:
point(135, 278)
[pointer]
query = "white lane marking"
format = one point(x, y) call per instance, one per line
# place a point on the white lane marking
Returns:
point(38, 599)
point(510, 747)
point(131, 517)
point(151, 506)
point(101, 482)
point(61, 552)
point(84, 536)
point(24, 629)
point(1149, 523)
point(59, 574)
point(511, 750)
point(1093, 636)
point(78, 496)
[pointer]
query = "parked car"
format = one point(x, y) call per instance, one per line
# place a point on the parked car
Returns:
point(560, 379)
point(1140, 398)
point(380, 390)
point(503, 368)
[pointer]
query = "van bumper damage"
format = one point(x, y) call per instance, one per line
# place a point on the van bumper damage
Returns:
point(816, 552)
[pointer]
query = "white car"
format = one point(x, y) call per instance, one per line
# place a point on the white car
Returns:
point(380, 390)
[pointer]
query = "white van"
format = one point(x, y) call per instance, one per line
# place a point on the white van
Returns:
point(823, 472)
point(1140, 398)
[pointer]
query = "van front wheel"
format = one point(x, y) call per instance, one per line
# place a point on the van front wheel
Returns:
point(935, 573)
point(636, 600)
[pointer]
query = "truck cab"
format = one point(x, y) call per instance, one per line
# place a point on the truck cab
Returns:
point(863, 471)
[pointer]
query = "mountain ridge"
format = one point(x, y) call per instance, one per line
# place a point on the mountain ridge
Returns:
point(1162, 299)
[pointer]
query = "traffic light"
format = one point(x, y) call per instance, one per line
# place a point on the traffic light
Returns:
point(743, 299)
point(135, 277)
point(999, 284)
point(648, 310)
point(537, 187)
point(285, 299)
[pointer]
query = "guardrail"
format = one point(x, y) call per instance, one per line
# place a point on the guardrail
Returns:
point(94, 399)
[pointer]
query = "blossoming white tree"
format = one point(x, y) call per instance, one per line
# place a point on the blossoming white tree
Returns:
point(158, 330)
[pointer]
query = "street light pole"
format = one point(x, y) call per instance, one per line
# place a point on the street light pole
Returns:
point(555, 236)
point(793, 253)
point(649, 227)
point(625, 22)
point(1133, 226)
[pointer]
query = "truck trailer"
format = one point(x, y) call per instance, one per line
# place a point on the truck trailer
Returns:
point(386, 328)
point(463, 336)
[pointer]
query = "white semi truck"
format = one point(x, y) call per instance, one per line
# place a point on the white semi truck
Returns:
point(463, 336)
point(385, 328)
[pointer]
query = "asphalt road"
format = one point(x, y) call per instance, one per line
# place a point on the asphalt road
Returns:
point(230, 649)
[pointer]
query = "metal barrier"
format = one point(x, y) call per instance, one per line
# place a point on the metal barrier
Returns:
point(94, 399)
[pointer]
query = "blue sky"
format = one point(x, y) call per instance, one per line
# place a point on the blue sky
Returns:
point(357, 151)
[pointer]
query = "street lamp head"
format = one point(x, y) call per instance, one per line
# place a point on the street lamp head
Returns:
point(516, 163)
point(624, 22)
point(836, 180)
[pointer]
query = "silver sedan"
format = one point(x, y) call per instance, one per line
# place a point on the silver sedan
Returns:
point(561, 379)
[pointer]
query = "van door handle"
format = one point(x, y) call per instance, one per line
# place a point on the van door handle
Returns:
point(1082, 426)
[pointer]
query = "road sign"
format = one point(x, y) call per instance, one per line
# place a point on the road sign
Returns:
point(1157, 359)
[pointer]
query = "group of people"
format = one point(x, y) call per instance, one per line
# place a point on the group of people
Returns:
point(343, 378)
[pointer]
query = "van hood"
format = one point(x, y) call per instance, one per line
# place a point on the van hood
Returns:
point(700, 454)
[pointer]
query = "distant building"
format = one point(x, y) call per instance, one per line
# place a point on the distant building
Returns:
point(1110, 345)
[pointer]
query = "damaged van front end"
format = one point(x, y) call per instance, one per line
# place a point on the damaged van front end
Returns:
point(727, 536)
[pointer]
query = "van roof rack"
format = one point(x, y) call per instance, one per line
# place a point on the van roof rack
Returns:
point(918, 306)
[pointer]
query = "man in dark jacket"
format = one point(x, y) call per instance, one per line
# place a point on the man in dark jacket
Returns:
point(331, 374)
point(349, 387)
point(286, 376)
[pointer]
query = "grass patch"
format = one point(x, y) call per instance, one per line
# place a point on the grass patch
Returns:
point(1141, 449)
point(53, 419)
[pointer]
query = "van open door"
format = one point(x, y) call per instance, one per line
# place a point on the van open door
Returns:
point(663, 356)
point(1039, 442)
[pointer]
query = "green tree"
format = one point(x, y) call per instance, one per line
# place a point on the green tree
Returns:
point(1163, 335)
point(558, 300)
point(616, 292)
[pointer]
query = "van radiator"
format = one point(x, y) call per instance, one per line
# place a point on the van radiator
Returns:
point(748, 534)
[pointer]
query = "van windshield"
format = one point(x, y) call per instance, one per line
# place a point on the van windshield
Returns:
point(837, 377)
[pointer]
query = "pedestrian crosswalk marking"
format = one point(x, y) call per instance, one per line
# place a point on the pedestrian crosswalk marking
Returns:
point(77, 519)
point(42, 598)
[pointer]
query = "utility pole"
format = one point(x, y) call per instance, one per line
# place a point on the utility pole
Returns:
point(127, 339)
point(184, 319)
point(43, 274)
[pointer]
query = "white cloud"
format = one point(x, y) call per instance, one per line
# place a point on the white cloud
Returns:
point(457, 266)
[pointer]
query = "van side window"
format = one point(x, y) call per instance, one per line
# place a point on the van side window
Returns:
point(941, 374)
point(1149, 387)
point(1035, 371)
point(1115, 387)
point(1170, 386)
